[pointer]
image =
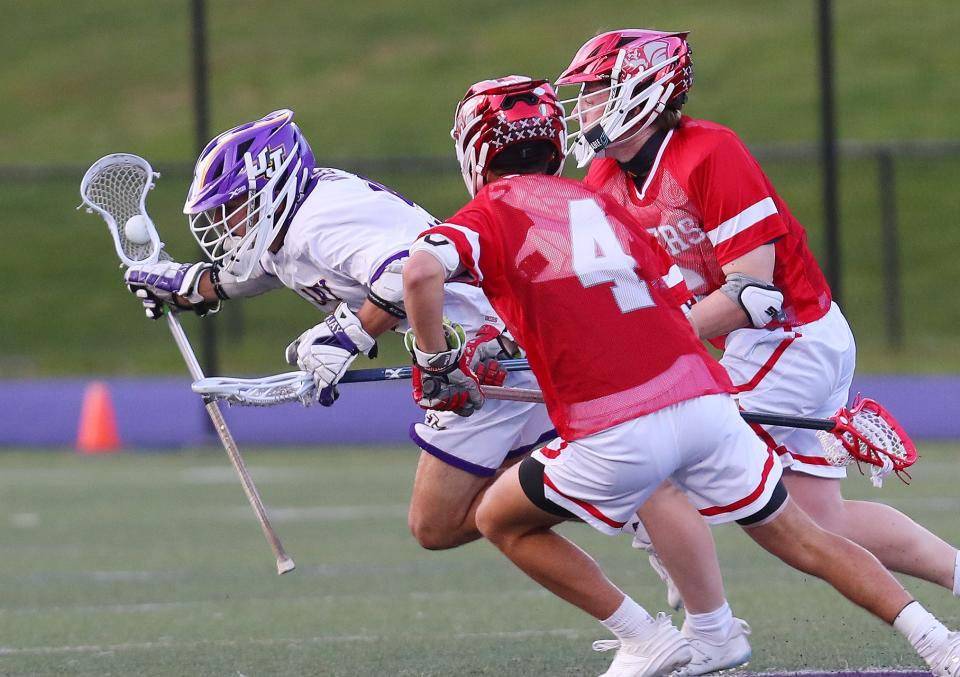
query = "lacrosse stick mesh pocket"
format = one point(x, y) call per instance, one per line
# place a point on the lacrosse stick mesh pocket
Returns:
point(119, 190)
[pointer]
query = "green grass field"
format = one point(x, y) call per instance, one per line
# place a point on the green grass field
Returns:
point(153, 564)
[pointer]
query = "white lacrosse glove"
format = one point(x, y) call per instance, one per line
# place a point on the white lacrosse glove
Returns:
point(328, 349)
point(444, 381)
point(158, 283)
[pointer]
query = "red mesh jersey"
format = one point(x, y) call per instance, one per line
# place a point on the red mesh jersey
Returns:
point(708, 202)
point(593, 299)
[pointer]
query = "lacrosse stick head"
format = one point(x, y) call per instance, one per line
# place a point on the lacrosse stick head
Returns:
point(868, 433)
point(293, 386)
point(247, 185)
point(116, 187)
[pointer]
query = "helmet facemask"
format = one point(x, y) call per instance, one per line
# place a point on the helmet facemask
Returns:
point(630, 107)
point(248, 183)
point(256, 220)
point(644, 73)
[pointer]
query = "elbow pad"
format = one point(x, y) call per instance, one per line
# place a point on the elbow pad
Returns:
point(762, 302)
point(441, 248)
point(386, 292)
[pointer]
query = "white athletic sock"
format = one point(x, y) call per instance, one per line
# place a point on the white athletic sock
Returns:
point(630, 621)
point(713, 626)
point(956, 575)
point(921, 629)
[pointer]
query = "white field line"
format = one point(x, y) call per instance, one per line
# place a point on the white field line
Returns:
point(151, 575)
point(225, 474)
point(216, 604)
point(566, 633)
point(322, 513)
point(78, 476)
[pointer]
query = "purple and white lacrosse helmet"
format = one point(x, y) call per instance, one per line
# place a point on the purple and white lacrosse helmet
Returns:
point(247, 185)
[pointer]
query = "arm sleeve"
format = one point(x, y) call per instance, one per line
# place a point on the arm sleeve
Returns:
point(260, 281)
point(736, 200)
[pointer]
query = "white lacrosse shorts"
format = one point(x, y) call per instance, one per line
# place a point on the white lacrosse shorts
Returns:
point(702, 444)
point(480, 443)
point(804, 372)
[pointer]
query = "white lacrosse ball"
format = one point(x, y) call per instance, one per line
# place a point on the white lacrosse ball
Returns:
point(137, 229)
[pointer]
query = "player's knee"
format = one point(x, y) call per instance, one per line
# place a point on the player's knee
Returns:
point(431, 534)
point(490, 522)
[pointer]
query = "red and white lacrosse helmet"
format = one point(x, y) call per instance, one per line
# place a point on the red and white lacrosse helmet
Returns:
point(497, 114)
point(644, 71)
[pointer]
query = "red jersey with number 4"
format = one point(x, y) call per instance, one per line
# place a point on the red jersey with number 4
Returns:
point(593, 299)
point(708, 202)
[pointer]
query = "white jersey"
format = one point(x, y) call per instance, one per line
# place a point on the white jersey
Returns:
point(346, 232)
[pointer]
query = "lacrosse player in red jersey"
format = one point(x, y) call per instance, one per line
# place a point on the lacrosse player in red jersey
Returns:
point(268, 218)
point(761, 294)
point(575, 277)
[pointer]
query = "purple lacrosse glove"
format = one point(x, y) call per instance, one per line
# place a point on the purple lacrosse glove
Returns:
point(158, 283)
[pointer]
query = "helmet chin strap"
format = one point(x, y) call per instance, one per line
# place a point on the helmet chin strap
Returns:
point(630, 143)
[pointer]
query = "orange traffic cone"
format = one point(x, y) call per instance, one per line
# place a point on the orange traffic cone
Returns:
point(97, 432)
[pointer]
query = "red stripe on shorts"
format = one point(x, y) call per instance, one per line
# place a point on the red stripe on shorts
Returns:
point(553, 453)
point(767, 366)
point(583, 504)
point(768, 439)
point(781, 450)
point(747, 500)
point(809, 460)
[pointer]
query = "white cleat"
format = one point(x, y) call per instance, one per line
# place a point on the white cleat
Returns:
point(710, 658)
point(945, 662)
point(658, 655)
point(673, 595)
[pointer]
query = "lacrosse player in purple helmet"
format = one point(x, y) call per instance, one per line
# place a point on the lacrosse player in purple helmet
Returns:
point(268, 218)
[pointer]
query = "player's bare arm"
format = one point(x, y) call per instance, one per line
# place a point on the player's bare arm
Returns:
point(442, 376)
point(744, 300)
point(423, 279)
point(374, 320)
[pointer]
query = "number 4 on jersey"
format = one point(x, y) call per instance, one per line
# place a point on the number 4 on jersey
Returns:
point(598, 257)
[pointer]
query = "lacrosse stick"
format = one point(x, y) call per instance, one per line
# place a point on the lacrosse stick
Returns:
point(298, 386)
point(116, 187)
point(864, 433)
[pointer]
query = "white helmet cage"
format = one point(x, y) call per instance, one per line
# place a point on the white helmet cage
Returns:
point(235, 234)
point(618, 116)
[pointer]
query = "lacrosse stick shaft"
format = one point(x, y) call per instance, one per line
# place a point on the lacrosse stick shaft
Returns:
point(284, 563)
point(512, 394)
point(527, 395)
point(398, 373)
point(789, 421)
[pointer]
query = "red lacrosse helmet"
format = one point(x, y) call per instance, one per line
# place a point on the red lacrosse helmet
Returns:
point(497, 114)
point(644, 72)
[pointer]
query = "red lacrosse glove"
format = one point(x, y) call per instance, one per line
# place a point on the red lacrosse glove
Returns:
point(443, 380)
point(483, 352)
